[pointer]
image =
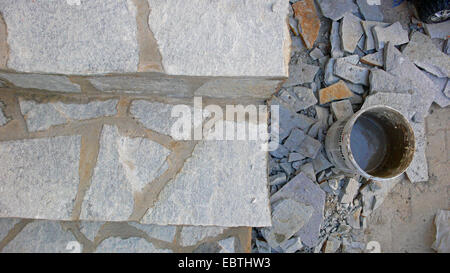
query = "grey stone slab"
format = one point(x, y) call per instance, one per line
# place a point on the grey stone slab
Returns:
point(163, 233)
point(244, 39)
point(350, 191)
point(351, 32)
point(329, 77)
point(305, 97)
point(79, 40)
point(353, 73)
point(398, 101)
point(395, 34)
point(355, 88)
point(301, 73)
point(369, 43)
point(441, 99)
point(303, 190)
point(130, 245)
point(382, 81)
point(424, 54)
point(320, 163)
point(280, 152)
point(370, 10)
point(441, 30)
point(336, 9)
point(192, 235)
point(41, 81)
point(308, 170)
point(124, 167)
point(418, 170)
point(39, 177)
point(335, 40)
point(425, 90)
point(295, 139)
point(375, 59)
point(6, 224)
point(41, 116)
point(295, 157)
point(213, 185)
point(288, 216)
point(342, 109)
point(309, 147)
point(41, 237)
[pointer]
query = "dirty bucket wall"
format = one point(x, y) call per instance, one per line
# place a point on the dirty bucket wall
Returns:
point(377, 143)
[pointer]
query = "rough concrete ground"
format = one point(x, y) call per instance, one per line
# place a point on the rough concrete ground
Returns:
point(404, 222)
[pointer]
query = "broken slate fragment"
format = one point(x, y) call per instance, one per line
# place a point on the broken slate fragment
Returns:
point(288, 216)
point(375, 59)
point(382, 81)
point(394, 34)
point(316, 54)
point(295, 157)
point(336, 9)
point(351, 32)
point(353, 73)
point(370, 10)
point(294, 140)
point(308, 170)
point(305, 98)
point(309, 147)
point(321, 163)
point(309, 22)
point(280, 152)
point(301, 73)
point(304, 191)
point(334, 92)
point(350, 191)
point(441, 99)
point(335, 40)
point(398, 101)
point(441, 30)
point(342, 109)
point(277, 179)
point(425, 55)
point(369, 43)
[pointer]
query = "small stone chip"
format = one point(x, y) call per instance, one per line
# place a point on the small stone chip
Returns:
point(342, 109)
point(295, 157)
point(334, 92)
point(301, 73)
point(305, 98)
point(375, 59)
point(336, 9)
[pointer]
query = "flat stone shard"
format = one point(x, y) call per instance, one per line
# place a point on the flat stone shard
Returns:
point(351, 32)
point(369, 10)
point(398, 101)
point(441, 99)
point(335, 40)
point(424, 54)
point(43, 82)
point(205, 184)
point(369, 43)
point(305, 97)
point(336, 9)
point(306, 14)
point(301, 73)
point(382, 81)
point(191, 235)
point(309, 147)
point(103, 48)
point(288, 216)
point(250, 39)
point(41, 116)
point(375, 59)
point(304, 191)
point(41, 237)
point(130, 245)
point(394, 34)
point(342, 109)
point(334, 92)
point(295, 139)
point(440, 31)
point(442, 223)
point(353, 73)
point(350, 191)
point(124, 166)
point(39, 177)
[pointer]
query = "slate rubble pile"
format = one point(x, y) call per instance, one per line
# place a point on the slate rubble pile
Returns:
point(344, 58)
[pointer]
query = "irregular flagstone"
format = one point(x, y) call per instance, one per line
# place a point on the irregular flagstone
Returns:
point(425, 90)
point(41, 116)
point(124, 167)
point(301, 73)
point(336, 9)
point(395, 34)
point(440, 31)
point(288, 216)
point(351, 32)
point(130, 245)
point(424, 54)
point(375, 59)
point(41, 81)
point(39, 177)
point(336, 91)
point(382, 81)
point(302, 190)
point(353, 73)
point(41, 237)
point(191, 235)
point(370, 10)
point(35, 47)
point(211, 193)
point(163, 233)
point(306, 14)
point(335, 40)
point(369, 43)
point(418, 170)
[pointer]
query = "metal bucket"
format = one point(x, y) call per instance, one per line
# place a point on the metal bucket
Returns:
point(377, 143)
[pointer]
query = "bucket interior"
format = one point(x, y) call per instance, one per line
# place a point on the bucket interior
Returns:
point(382, 143)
